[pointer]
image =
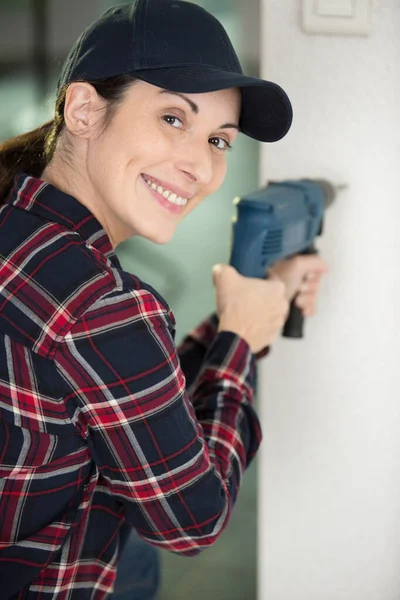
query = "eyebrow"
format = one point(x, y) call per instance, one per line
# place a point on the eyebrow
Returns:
point(195, 109)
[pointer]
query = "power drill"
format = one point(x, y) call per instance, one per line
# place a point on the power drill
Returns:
point(276, 222)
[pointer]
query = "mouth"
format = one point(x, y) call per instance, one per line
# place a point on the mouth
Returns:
point(164, 193)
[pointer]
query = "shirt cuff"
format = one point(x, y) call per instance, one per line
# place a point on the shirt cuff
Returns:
point(205, 333)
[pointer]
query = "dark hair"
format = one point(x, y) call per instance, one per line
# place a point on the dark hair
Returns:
point(30, 152)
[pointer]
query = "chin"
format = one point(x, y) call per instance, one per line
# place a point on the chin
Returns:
point(160, 237)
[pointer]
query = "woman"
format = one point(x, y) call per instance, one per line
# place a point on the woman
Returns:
point(105, 426)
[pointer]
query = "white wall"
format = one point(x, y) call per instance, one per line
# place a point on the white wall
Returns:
point(330, 405)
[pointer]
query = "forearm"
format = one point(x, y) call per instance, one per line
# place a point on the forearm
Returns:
point(223, 397)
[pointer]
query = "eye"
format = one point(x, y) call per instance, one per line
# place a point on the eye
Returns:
point(173, 121)
point(220, 143)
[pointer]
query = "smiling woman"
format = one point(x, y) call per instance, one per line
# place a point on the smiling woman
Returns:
point(106, 426)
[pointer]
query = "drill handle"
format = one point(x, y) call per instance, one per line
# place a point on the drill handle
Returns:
point(294, 326)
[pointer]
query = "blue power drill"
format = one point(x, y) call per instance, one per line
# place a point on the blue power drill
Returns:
point(279, 221)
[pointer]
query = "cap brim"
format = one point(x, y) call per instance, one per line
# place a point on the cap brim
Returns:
point(266, 109)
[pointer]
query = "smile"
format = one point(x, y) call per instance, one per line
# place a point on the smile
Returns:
point(167, 194)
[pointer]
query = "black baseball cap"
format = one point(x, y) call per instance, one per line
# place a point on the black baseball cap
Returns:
point(178, 46)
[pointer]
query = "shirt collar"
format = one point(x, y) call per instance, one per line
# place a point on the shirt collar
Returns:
point(50, 203)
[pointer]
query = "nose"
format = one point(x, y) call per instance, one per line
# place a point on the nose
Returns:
point(195, 161)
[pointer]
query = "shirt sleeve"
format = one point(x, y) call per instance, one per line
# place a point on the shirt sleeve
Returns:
point(193, 348)
point(176, 472)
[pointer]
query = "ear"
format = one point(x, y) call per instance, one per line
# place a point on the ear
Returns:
point(82, 111)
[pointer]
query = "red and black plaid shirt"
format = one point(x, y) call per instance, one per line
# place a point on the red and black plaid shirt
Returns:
point(104, 424)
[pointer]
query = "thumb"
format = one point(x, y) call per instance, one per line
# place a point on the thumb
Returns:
point(216, 271)
point(223, 269)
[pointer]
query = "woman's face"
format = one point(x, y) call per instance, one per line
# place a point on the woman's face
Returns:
point(162, 154)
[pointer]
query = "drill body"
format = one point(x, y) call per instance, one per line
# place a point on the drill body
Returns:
point(276, 222)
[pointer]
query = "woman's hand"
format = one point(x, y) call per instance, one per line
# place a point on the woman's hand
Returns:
point(302, 278)
point(255, 309)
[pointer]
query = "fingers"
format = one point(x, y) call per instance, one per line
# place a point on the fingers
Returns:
point(310, 286)
point(307, 302)
point(312, 276)
point(313, 263)
point(306, 299)
point(308, 291)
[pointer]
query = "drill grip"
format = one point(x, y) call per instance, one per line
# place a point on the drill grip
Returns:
point(294, 326)
point(295, 323)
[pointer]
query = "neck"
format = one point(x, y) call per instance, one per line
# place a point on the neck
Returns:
point(73, 180)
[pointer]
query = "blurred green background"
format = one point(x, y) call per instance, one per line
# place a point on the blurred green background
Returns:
point(35, 37)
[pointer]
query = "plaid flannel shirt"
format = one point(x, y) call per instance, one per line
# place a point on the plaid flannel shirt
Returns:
point(104, 424)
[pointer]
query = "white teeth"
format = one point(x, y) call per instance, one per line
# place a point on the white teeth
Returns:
point(170, 196)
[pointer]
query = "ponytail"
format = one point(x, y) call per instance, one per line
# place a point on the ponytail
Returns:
point(30, 152)
point(23, 154)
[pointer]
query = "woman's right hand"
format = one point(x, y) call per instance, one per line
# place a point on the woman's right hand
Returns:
point(254, 309)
